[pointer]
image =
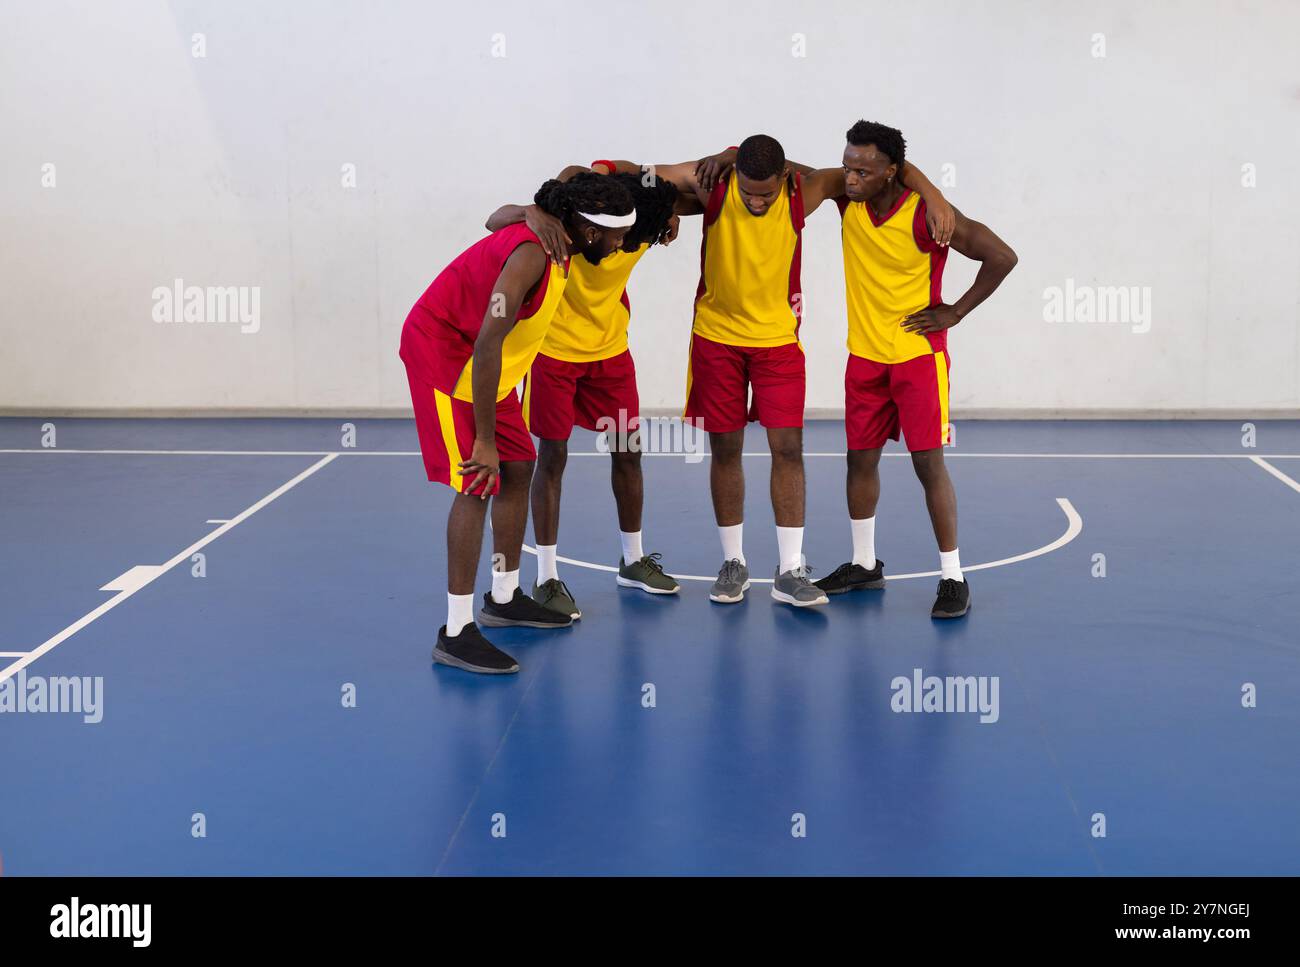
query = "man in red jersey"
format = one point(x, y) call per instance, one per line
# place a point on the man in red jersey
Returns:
point(467, 343)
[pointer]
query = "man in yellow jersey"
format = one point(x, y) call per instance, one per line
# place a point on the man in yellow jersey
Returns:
point(584, 376)
point(467, 343)
point(746, 361)
point(897, 374)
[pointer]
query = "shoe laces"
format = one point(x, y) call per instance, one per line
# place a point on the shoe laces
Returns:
point(950, 588)
point(554, 587)
point(652, 561)
point(731, 569)
point(802, 572)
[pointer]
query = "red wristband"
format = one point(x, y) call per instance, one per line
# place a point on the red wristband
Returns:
point(610, 167)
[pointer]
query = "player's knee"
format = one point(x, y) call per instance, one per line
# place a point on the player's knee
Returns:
point(864, 462)
point(552, 456)
point(516, 474)
point(625, 460)
point(786, 447)
point(726, 448)
point(929, 466)
point(788, 453)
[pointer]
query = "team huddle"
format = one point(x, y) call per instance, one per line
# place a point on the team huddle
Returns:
point(543, 301)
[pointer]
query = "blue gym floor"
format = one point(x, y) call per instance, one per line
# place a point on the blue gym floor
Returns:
point(222, 695)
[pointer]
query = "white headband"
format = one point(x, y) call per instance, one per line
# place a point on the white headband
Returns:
point(611, 221)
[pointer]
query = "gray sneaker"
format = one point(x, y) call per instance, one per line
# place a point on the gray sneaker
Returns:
point(732, 583)
point(793, 587)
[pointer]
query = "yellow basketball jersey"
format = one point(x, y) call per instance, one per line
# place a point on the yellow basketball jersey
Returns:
point(892, 268)
point(749, 269)
point(592, 318)
point(522, 343)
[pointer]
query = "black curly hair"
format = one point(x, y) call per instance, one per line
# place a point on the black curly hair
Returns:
point(585, 192)
point(888, 141)
point(654, 206)
point(760, 157)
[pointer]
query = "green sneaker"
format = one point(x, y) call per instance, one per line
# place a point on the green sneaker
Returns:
point(555, 595)
point(646, 574)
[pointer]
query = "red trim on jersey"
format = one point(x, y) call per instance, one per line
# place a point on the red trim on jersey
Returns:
point(712, 209)
point(795, 291)
point(938, 253)
point(532, 304)
point(907, 192)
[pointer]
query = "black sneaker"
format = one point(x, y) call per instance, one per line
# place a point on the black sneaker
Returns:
point(853, 577)
point(522, 612)
point(953, 600)
point(474, 653)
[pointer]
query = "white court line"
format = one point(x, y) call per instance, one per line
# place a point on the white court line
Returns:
point(12, 654)
point(1074, 527)
point(141, 576)
point(1277, 473)
point(217, 520)
point(747, 453)
point(219, 453)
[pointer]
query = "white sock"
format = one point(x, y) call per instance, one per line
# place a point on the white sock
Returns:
point(731, 541)
point(503, 585)
point(460, 612)
point(864, 541)
point(546, 569)
point(950, 565)
point(631, 546)
point(789, 544)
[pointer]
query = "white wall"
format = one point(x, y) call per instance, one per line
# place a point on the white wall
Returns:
point(225, 170)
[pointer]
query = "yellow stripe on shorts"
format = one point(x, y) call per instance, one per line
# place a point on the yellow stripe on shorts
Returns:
point(689, 346)
point(447, 422)
point(941, 372)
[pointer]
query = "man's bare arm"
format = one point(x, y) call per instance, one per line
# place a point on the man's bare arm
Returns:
point(818, 185)
point(976, 241)
point(693, 179)
point(522, 271)
point(940, 216)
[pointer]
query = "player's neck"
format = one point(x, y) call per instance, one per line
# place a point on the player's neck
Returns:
point(885, 199)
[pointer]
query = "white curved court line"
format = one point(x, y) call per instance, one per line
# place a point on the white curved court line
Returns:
point(650, 453)
point(1073, 529)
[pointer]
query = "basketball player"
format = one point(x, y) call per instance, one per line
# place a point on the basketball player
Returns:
point(897, 373)
point(584, 376)
point(745, 336)
point(467, 343)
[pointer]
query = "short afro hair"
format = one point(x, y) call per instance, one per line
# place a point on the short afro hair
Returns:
point(760, 157)
point(888, 141)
